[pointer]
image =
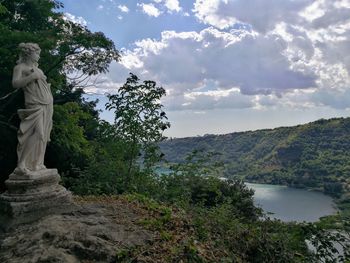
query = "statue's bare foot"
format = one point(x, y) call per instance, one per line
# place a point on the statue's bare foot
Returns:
point(21, 169)
point(40, 167)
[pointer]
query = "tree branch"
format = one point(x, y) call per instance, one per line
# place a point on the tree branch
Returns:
point(62, 59)
point(8, 125)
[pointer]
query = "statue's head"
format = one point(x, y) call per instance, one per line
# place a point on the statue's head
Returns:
point(29, 52)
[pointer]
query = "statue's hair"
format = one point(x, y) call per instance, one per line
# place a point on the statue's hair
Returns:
point(26, 49)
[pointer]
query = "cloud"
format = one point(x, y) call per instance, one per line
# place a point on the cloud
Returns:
point(217, 99)
point(110, 82)
point(324, 44)
point(324, 23)
point(313, 11)
point(123, 8)
point(331, 34)
point(241, 59)
point(261, 14)
point(207, 13)
point(173, 5)
point(255, 54)
point(170, 6)
point(150, 9)
point(337, 100)
point(75, 19)
point(215, 69)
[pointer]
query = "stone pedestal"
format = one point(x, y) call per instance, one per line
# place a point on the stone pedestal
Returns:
point(33, 195)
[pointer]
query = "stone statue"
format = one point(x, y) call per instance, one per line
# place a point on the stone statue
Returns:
point(36, 118)
point(32, 190)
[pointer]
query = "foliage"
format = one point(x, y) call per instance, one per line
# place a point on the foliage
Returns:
point(139, 119)
point(198, 216)
point(323, 242)
point(313, 155)
point(224, 213)
point(66, 47)
point(224, 218)
point(69, 147)
point(197, 183)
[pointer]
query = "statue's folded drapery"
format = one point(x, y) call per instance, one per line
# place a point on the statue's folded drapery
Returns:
point(36, 118)
point(36, 122)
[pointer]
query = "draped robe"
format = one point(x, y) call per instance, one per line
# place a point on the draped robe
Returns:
point(36, 122)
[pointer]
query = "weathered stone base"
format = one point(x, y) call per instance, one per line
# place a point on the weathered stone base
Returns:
point(31, 196)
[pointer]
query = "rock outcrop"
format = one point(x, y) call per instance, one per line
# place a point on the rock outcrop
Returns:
point(31, 196)
point(91, 233)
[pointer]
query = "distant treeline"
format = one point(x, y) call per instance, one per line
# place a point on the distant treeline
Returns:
point(314, 155)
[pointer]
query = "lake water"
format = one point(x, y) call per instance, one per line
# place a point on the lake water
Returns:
point(286, 203)
point(291, 204)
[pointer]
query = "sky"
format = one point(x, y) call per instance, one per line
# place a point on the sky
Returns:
point(228, 65)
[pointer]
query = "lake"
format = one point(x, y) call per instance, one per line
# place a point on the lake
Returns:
point(287, 203)
point(291, 204)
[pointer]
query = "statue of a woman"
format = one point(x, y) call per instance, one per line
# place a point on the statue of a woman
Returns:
point(36, 118)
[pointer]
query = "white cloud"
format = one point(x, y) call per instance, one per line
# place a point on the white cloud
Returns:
point(173, 5)
point(206, 100)
point(337, 100)
point(131, 61)
point(150, 9)
point(261, 14)
point(342, 4)
point(110, 82)
point(290, 53)
point(253, 63)
point(75, 19)
point(100, 7)
point(313, 11)
point(123, 8)
point(214, 69)
point(169, 5)
point(207, 12)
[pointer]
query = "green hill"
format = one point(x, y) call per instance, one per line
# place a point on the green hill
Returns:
point(315, 155)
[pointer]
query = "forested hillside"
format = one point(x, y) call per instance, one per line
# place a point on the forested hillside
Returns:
point(314, 155)
point(190, 215)
point(67, 47)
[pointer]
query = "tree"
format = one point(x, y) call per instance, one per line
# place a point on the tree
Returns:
point(67, 47)
point(139, 119)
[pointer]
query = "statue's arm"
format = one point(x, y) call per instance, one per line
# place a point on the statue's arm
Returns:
point(20, 81)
